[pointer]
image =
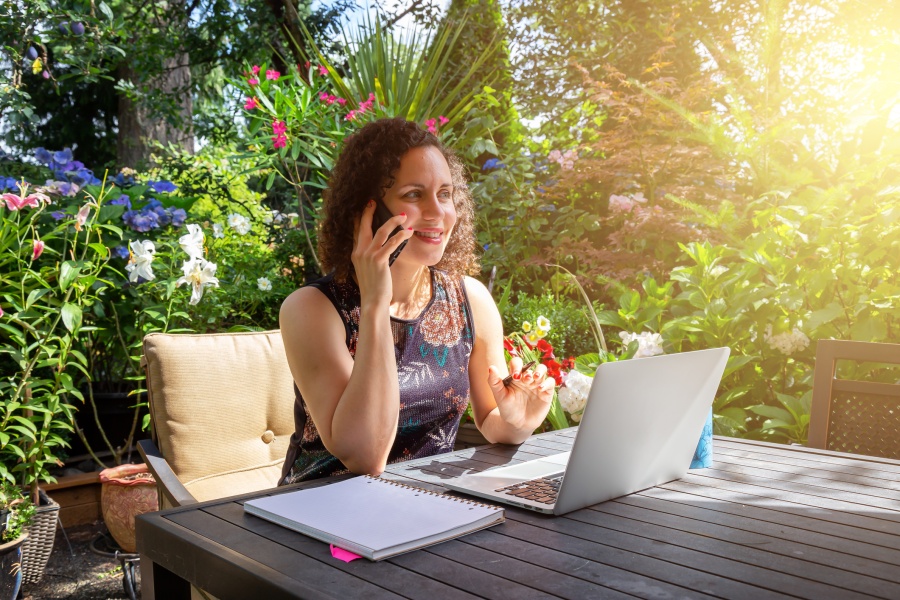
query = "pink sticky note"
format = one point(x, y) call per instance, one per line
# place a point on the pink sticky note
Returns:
point(341, 554)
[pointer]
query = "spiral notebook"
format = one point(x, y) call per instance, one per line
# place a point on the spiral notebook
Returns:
point(375, 518)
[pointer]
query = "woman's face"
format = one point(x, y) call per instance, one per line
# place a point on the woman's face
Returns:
point(423, 189)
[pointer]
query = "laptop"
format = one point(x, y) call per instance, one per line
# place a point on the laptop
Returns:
point(640, 427)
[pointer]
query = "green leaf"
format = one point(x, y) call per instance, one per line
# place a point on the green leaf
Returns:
point(34, 296)
point(270, 180)
point(71, 316)
point(106, 11)
point(772, 412)
point(67, 274)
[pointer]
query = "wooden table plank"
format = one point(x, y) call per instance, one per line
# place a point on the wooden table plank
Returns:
point(503, 565)
point(809, 477)
point(835, 523)
point(719, 556)
point(847, 502)
point(317, 576)
point(776, 552)
point(868, 464)
point(570, 565)
point(726, 511)
point(383, 574)
point(824, 469)
point(591, 544)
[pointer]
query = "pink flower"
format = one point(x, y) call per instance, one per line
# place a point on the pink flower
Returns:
point(323, 70)
point(82, 216)
point(1, 311)
point(341, 101)
point(15, 202)
point(306, 65)
point(620, 204)
point(250, 104)
point(253, 81)
point(38, 249)
point(255, 69)
point(278, 127)
point(272, 74)
point(432, 126)
point(443, 120)
point(279, 141)
point(350, 115)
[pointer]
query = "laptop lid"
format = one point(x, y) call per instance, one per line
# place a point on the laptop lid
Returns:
point(640, 427)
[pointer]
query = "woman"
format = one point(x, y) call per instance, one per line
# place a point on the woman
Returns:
point(386, 357)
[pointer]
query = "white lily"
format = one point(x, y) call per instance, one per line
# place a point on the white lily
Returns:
point(139, 263)
point(199, 273)
point(192, 242)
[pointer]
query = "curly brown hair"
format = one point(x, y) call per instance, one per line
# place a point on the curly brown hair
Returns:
point(365, 170)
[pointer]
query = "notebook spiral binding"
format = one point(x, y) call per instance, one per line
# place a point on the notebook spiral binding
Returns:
point(430, 493)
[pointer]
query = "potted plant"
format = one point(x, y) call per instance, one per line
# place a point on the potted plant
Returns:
point(16, 514)
point(50, 270)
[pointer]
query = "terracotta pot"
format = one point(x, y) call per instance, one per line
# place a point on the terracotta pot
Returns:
point(126, 491)
point(11, 567)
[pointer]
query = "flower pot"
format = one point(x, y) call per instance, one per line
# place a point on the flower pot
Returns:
point(41, 535)
point(126, 492)
point(11, 567)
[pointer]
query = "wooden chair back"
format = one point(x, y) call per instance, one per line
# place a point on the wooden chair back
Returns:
point(861, 417)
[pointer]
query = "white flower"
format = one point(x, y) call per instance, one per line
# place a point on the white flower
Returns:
point(718, 270)
point(199, 273)
point(573, 394)
point(649, 343)
point(239, 223)
point(279, 217)
point(192, 242)
point(788, 342)
point(142, 253)
point(264, 284)
point(543, 323)
point(218, 230)
point(267, 219)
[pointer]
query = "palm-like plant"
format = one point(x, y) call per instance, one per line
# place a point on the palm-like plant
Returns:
point(408, 74)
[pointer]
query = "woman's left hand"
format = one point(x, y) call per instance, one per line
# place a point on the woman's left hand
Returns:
point(525, 402)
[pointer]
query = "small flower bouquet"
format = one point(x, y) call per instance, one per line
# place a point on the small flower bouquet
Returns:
point(529, 345)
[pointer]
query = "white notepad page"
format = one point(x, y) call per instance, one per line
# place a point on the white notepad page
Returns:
point(368, 513)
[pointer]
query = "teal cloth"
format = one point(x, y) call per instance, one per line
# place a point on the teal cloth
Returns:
point(703, 455)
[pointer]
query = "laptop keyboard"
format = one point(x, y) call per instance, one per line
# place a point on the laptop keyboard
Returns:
point(543, 489)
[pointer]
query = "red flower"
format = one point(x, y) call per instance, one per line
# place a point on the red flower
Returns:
point(553, 370)
point(510, 347)
point(568, 363)
point(545, 348)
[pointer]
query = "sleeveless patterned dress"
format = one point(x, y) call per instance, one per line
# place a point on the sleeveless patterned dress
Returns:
point(432, 353)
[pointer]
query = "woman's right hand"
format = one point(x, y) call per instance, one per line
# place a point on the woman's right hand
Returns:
point(371, 253)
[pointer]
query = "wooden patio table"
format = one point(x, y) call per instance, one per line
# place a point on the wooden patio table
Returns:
point(766, 521)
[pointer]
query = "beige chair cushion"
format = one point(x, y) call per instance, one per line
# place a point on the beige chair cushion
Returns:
point(222, 409)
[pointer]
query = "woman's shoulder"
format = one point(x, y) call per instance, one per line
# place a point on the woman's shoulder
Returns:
point(312, 298)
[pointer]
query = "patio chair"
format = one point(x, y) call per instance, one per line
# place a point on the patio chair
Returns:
point(221, 407)
point(862, 417)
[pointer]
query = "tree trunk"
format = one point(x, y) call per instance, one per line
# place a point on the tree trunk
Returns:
point(138, 127)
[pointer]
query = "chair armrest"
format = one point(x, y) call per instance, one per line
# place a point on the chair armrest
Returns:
point(166, 481)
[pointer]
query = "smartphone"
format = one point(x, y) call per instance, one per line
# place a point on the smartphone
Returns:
point(382, 214)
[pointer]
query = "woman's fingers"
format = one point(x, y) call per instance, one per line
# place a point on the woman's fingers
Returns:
point(515, 367)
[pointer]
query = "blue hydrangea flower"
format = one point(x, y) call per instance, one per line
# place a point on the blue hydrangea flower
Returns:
point(492, 163)
point(123, 181)
point(486, 246)
point(179, 216)
point(122, 200)
point(162, 187)
point(58, 215)
point(63, 157)
point(121, 252)
point(145, 221)
point(8, 183)
point(43, 156)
